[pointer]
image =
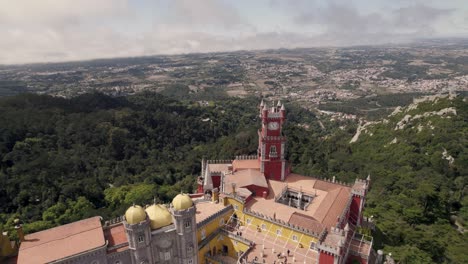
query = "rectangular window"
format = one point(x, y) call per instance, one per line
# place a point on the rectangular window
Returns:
point(263, 227)
point(187, 224)
point(203, 234)
point(312, 245)
point(189, 249)
point(236, 207)
point(248, 221)
point(278, 232)
point(221, 222)
point(294, 238)
point(141, 239)
point(190, 261)
point(167, 255)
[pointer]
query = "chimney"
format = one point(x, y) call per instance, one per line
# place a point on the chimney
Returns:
point(233, 185)
point(264, 194)
point(215, 195)
point(19, 229)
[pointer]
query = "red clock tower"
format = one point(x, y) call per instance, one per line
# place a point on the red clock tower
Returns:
point(272, 143)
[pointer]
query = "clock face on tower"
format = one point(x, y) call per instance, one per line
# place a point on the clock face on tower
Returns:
point(273, 125)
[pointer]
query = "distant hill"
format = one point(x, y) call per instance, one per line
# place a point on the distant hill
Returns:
point(418, 161)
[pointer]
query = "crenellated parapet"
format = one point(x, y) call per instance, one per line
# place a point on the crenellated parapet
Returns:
point(219, 161)
point(283, 223)
point(267, 139)
point(246, 157)
point(343, 218)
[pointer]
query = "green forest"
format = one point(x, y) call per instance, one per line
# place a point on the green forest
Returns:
point(62, 160)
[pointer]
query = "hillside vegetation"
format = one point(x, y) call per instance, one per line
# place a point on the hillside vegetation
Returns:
point(418, 162)
point(66, 159)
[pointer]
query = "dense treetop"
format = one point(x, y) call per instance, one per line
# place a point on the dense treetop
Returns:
point(66, 159)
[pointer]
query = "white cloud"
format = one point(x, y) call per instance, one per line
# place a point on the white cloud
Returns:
point(60, 30)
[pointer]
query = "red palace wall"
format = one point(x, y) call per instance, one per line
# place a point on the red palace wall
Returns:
point(200, 188)
point(272, 170)
point(325, 258)
point(354, 210)
point(216, 181)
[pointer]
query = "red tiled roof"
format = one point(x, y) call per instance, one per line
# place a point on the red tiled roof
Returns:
point(328, 203)
point(305, 221)
point(115, 235)
point(246, 164)
point(62, 241)
point(325, 186)
point(337, 207)
point(244, 178)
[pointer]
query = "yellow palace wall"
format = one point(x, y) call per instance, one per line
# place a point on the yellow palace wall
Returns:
point(286, 233)
point(216, 246)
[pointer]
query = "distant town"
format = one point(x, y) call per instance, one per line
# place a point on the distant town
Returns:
point(314, 76)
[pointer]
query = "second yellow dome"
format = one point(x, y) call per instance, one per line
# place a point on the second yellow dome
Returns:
point(159, 216)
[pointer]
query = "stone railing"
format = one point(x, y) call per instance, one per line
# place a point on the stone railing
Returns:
point(237, 237)
point(328, 248)
point(242, 257)
point(282, 223)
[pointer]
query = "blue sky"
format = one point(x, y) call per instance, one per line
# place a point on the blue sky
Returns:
point(63, 30)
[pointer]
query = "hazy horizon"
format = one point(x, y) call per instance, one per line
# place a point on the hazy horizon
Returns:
point(61, 31)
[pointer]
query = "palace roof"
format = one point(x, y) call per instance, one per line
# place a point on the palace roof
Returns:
point(62, 241)
point(328, 203)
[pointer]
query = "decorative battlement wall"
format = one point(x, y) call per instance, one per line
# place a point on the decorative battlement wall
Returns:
point(344, 215)
point(114, 221)
point(281, 223)
point(218, 161)
point(273, 115)
point(273, 138)
point(246, 157)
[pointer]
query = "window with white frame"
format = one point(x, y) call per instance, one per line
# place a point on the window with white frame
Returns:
point(278, 232)
point(203, 234)
point(248, 220)
point(236, 207)
point(221, 221)
point(117, 262)
point(263, 227)
point(189, 249)
point(312, 245)
point(273, 152)
point(187, 224)
point(190, 261)
point(141, 239)
point(167, 255)
point(294, 238)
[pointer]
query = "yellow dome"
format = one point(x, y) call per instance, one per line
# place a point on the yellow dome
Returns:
point(159, 216)
point(182, 202)
point(135, 214)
